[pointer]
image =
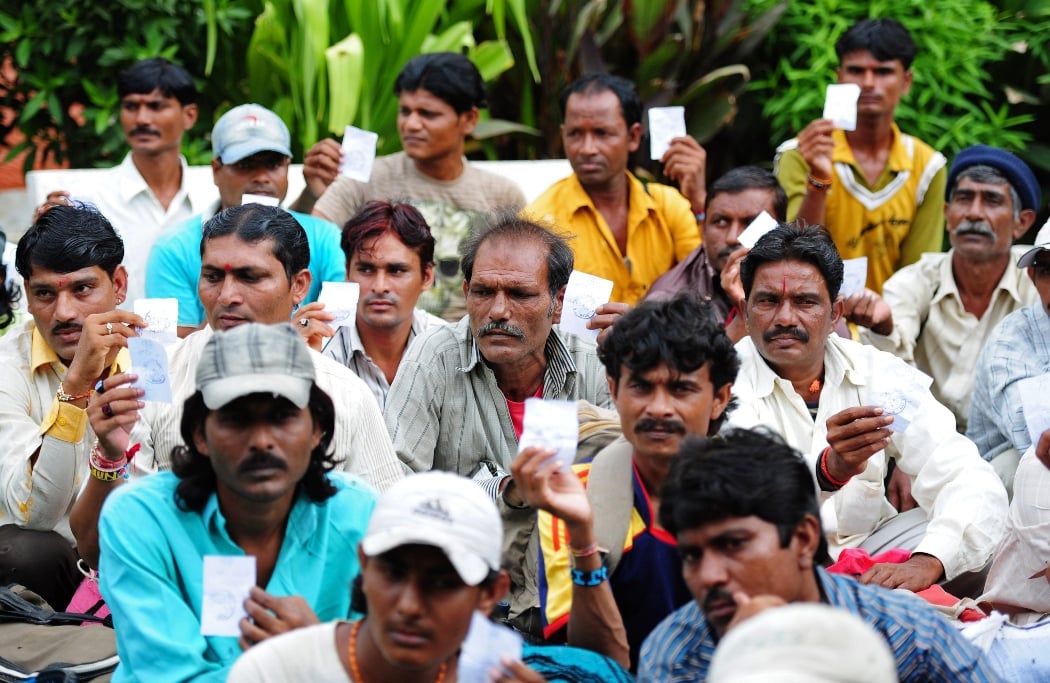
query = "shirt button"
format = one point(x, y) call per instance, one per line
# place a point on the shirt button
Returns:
point(62, 422)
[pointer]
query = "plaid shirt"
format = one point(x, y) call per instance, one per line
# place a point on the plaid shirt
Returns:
point(925, 644)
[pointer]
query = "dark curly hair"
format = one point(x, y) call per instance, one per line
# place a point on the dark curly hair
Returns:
point(198, 476)
point(681, 332)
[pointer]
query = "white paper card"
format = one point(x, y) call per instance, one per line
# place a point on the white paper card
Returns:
point(762, 224)
point(551, 424)
point(485, 645)
point(841, 105)
point(265, 200)
point(340, 299)
point(359, 153)
point(162, 318)
point(584, 293)
point(149, 361)
point(1035, 403)
point(899, 390)
point(854, 276)
point(665, 124)
point(227, 581)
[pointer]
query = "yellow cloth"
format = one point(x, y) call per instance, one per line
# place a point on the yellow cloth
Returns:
point(661, 231)
point(892, 223)
point(65, 421)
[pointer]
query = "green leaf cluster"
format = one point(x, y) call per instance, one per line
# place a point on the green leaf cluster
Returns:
point(66, 54)
point(324, 64)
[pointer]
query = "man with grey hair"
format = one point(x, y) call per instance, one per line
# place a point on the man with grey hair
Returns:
point(945, 306)
point(458, 400)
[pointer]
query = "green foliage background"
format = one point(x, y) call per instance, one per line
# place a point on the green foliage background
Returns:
point(751, 72)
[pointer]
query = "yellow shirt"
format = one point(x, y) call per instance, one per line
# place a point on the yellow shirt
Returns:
point(892, 223)
point(661, 231)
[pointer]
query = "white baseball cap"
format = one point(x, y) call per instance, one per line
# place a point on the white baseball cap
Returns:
point(803, 643)
point(443, 510)
point(1042, 243)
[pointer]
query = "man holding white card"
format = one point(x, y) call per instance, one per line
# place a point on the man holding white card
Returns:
point(735, 201)
point(1018, 349)
point(623, 230)
point(835, 400)
point(252, 150)
point(670, 367)
point(945, 307)
point(389, 253)
point(430, 576)
point(70, 260)
point(439, 97)
point(876, 189)
point(253, 485)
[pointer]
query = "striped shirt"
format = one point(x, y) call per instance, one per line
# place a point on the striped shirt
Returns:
point(925, 644)
point(445, 411)
point(1018, 348)
point(346, 348)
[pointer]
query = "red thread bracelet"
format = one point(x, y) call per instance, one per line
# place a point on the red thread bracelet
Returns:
point(827, 475)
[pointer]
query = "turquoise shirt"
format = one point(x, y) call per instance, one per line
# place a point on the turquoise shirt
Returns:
point(174, 264)
point(151, 572)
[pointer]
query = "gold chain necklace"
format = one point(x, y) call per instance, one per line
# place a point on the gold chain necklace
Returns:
point(356, 671)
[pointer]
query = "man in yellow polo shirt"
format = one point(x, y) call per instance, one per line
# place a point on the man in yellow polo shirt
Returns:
point(71, 262)
point(622, 229)
point(876, 190)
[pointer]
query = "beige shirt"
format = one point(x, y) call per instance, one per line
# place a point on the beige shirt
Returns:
point(1026, 547)
point(932, 330)
point(961, 494)
point(361, 442)
point(32, 419)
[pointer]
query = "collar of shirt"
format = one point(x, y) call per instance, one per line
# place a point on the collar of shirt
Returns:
point(132, 184)
point(899, 158)
point(43, 354)
point(640, 202)
point(559, 362)
point(1007, 283)
point(300, 525)
point(839, 367)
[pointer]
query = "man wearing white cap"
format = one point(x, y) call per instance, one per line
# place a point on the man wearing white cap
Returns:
point(1018, 348)
point(252, 150)
point(429, 560)
point(254, 479)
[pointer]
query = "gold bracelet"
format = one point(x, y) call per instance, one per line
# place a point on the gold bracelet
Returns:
point(61, 395)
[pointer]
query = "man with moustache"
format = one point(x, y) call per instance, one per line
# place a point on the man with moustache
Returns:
point(835, 400)
point(254, 478)
point(945, 307)
point(458, 400)
point(744, 512)
point(669, 366)
point(251, 150)
point(71, 262)
point(623, 230)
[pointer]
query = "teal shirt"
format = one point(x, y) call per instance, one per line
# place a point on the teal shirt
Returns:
point(174, 264)
point(151, 572)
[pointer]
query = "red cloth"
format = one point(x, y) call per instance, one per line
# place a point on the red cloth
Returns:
point(854, 561)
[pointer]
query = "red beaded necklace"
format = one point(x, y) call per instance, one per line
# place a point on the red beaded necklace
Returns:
point(356, 670)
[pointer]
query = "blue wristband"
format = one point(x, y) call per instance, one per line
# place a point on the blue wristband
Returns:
point(594, 577)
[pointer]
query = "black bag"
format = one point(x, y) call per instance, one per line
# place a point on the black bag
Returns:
point(38, 643)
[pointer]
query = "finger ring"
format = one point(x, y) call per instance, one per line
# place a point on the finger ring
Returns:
point(109, 328)
point(107, 410)
point(304, 322)
point(100, 387)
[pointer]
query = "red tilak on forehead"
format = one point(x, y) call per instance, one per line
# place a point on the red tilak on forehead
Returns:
point(784, 284)
point(61, 283)
point(227, 267)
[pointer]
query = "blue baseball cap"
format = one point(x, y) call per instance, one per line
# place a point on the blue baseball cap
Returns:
point(247, 130)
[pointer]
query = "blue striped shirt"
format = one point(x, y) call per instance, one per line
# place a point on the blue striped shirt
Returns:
point(926, 646)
